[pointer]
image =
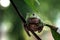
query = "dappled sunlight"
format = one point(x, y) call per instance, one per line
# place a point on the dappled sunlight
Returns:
point(58, 20)
point(6, 26)
point(58, 23)
point(5, 3)
point(48, 11)
point(4, 36)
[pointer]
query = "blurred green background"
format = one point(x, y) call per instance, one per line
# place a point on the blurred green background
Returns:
point(47, 10)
